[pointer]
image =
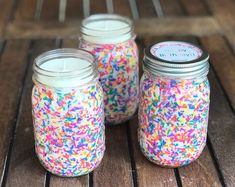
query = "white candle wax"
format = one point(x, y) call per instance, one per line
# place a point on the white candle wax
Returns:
point(105, 29)
point(65, 72)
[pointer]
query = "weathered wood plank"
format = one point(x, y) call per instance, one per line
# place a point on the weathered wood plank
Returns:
point(115, 168)
point(50, 10)
point(149, 174)
point(98, 6)
point(222, 123)
point(201, 172)
point(146, 8)
point(122, 7)
point(56, 181)
point(198, 26)
point(172, 8)
point(74, 9)
point(82, 181)
point(25, 10)
point(223, 12)
point(12, 69)
point(25, 169)
point(70, 43)
point(223, 61)
point(222, 132)
point(6, 7)
point(195, 7)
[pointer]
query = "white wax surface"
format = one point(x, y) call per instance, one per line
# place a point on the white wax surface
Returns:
point(107, 32)
point(64, 65)
point(106, 25)
point(57, 67)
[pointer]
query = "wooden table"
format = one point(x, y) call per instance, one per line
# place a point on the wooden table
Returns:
point(29, 27)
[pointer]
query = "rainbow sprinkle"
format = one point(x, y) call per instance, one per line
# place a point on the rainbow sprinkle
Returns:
point(119, 76)
point(173, 119)
point(69, 128)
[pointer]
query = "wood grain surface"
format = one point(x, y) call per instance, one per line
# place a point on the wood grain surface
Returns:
point(115, 168)
point(5, 14)
point(50, 10)
point(222, 60)
point(198, 26)
point(74, 9)
point(146, 8)
point(194, 7)
point(98, 6)
point(12, 70)
point(221, 129)
point(25, 10)
point(122, 7)
point(24, 167)
point(29, 27)
point(172, 8)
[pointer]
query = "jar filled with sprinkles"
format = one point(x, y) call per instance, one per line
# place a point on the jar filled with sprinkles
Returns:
point(112, 40)
point(174, 104)
point(68, 112)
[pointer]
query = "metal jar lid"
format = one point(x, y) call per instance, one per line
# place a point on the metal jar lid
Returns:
point(176, 59)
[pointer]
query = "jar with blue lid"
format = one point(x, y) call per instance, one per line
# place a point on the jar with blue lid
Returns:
point(174, 103)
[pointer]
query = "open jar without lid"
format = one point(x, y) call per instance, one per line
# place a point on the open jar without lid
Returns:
point(111, 39)
point(68, 113)
point(107, 29)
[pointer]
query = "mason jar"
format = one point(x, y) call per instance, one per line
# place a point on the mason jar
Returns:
point(174, 103)
point(112, 40)
point(68, 112)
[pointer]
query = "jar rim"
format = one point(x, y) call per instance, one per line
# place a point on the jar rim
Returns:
point(105, 17)
point(88, 72)
point(62, 53)
point(104, 33)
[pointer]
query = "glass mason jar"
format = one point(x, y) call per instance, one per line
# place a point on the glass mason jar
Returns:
point(111, 39)
point(174, 104)
point(68, 112)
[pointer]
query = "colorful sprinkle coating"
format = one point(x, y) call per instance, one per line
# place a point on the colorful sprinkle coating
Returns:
point(69, 128)
point(119, 76)
point(173, 119)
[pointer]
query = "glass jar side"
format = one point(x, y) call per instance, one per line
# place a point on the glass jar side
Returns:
point(69, 128)
point(68, 112)
point(173, 119)
point(118, 66)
